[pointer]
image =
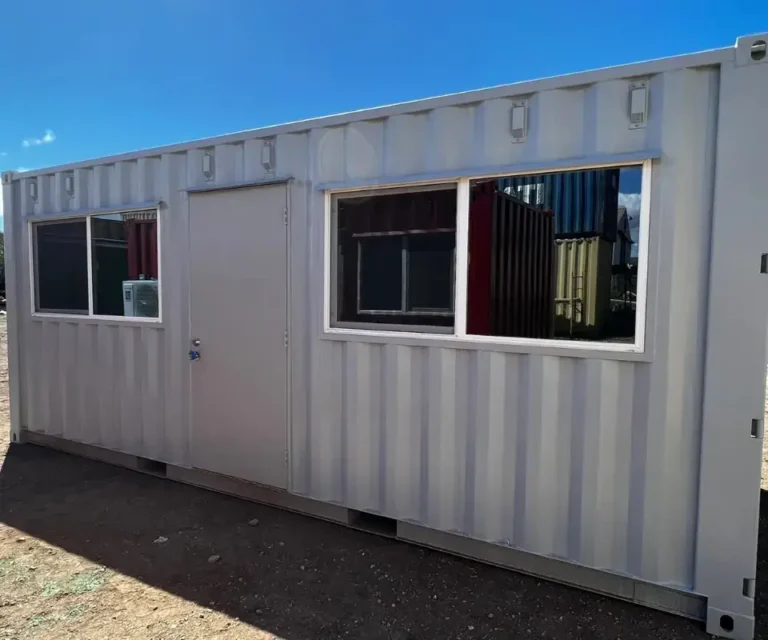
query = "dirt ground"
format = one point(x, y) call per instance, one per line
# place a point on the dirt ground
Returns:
point(91, 551)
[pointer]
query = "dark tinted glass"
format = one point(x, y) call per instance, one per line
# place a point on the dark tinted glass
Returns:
point(61, 260)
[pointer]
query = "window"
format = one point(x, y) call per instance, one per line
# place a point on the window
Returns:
point(553, 256)
point(116, 252)
point(62, 267)
point(395, 256)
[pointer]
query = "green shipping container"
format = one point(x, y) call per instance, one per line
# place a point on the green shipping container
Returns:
point(583, 285)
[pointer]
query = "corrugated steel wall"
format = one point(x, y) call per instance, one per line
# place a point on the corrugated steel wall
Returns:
point(594, 460)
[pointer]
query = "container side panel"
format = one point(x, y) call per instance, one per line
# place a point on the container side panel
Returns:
point(590, 460)
point(593, 461)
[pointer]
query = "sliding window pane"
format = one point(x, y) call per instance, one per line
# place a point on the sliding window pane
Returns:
point(555, 255)
point(125, 271)
point(430, 258)
point(394, 258)
point(61, 267)
point(381, 263)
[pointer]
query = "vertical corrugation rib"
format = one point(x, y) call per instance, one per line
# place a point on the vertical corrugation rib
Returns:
point(153, 390)
point(562, 443)
point(49, 361)
point(463, 450)
point(325, 402)
point(128, 414)
point(106, 351)
point(87, 389)
point(493, 449)
point(622, 472)
point(441, 439)
point(638, 464)
point(402, 430)
point(361, 436)
point(541, 444)
point(67, 396)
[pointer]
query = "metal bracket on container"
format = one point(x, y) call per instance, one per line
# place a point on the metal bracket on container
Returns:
point(748, 589)
point(7, 175)
point(757, 428)
point(518, 117)
point(764, 263)
point(638, 104)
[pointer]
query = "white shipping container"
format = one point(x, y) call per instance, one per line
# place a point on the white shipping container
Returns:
point(628, 467)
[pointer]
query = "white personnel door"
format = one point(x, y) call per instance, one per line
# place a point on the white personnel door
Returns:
point(239, 311)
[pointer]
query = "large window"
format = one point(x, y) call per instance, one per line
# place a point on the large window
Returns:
point(555, 256)
point(115, 254)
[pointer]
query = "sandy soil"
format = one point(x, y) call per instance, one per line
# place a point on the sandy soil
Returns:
point(92, 551)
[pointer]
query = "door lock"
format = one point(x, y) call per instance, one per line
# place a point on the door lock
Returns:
point(194, 353)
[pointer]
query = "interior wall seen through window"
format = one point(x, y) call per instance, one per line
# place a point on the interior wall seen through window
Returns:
point(395, 256)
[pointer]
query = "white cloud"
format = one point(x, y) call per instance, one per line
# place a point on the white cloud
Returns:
point(632, 202)
point(48, 137)
point(21, 169)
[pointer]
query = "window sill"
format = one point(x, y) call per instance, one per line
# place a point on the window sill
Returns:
point(561, 348)
point(122, 321)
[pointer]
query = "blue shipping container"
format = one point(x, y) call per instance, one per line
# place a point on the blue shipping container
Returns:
point(585, 203)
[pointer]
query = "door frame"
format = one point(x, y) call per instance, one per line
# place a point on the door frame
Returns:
point(251, 184)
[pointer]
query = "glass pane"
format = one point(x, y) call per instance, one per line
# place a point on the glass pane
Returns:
point(61, 263)
point(381, 260)
point(555, 255)
point(124, 251)
point(372, 232)
point(430, 272)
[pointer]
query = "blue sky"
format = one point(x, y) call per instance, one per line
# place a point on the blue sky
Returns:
point(86, 78)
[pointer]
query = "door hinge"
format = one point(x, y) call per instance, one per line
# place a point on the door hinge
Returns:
point(764, 263)
point(285, 216)
point(286, 456)
point(748, 588)
point(757, 428)
point(285, 338)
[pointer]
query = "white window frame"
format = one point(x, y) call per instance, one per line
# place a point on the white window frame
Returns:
point(459, 336)
point(88, 217)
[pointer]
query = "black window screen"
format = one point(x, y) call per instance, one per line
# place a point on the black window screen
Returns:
point(62, 267)
point(381, 264)
point(430, 271)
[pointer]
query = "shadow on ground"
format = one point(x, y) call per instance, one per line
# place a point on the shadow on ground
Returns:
point(295, 576)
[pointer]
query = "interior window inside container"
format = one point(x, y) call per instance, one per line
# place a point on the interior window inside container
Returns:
point(555, 255)
point(395, 259)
